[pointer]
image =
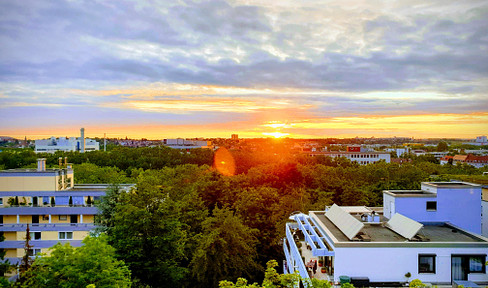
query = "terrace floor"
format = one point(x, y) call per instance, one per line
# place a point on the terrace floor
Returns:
point(307, 254)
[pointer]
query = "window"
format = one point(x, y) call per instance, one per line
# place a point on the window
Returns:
point(65, 235)
point(427, 263)
point(35, 235)
point(33, 252)
point(63, 217)
point(45, 218)
point(476, 264)
point(431, 205)
point(1, 201)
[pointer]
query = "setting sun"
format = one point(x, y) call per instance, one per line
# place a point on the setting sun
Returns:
point(276, 134)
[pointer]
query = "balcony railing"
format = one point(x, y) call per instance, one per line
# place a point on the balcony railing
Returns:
point(47, 205)
point(47, 227)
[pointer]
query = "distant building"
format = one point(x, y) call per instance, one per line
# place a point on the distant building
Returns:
point(64, 144)
point(362, 158)
point(479, 141)
point(180, 143)
point(446, 159)
point(234, 137)
point(470, 159)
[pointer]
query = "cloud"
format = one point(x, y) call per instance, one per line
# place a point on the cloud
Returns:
point(222, 60)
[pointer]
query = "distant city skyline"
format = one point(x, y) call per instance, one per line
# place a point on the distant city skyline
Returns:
point(307, 69)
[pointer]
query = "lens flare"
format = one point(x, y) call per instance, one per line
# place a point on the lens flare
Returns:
point(224, 162)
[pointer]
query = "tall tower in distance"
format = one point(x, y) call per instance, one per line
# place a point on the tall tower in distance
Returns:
point(82, 146)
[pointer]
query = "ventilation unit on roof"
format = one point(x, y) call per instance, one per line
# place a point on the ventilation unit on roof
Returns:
point(348, 225)
point(404, 226)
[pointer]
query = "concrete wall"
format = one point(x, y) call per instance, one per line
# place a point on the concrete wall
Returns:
point(391, 264)
point(47, 182)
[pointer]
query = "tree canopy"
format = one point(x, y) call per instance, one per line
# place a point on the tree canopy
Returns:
point(67, 267)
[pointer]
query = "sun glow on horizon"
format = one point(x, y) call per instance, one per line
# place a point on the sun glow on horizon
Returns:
point(276, 134)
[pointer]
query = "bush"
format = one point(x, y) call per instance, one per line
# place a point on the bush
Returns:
point(416, 283)
point(347, 285)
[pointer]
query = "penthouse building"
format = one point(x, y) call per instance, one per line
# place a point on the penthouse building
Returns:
point(55, 208)
point(431, 234)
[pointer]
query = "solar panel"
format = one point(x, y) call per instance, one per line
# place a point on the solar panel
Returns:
point(348, 225)
point(404, 226)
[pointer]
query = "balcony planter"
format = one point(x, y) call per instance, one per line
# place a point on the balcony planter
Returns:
point(322, 269)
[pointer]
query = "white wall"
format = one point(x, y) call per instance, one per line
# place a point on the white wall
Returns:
point(391, 264)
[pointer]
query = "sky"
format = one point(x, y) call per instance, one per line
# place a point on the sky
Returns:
point(256, 68)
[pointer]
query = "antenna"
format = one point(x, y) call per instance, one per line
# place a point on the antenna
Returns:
point(105, 142)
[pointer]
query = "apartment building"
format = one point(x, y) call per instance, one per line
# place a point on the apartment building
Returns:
point(55, 208)
point(433, 234)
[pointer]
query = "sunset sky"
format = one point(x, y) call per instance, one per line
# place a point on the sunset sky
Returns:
point(258, 68)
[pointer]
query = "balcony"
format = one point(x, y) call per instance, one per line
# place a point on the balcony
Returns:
point(48, 227)
point(46, 210)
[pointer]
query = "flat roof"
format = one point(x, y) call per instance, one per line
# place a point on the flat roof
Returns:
point(33, 170)
point(451, 184)
point(410, 193)
point(431, 232)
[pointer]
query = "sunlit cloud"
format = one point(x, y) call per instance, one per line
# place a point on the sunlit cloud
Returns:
point(212, 68)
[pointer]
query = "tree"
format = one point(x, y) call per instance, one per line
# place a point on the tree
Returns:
point(227, 250)
point(26, 261)
point(146, 233)
point(4, 265)
point(442, 146)
point(91, 264)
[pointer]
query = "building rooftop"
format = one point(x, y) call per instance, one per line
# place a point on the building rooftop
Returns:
point(32, 170)
point(431, 232)
point(451, 184)
point(410, 193)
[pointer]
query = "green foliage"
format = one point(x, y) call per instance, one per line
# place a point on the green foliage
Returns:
point(4, 265)
point(93, 263)
point(226, 249)
point(273, 279)
point(347, 285)
point(442, 146)
point(91, 173)
point(416, 283)
point(189, 226)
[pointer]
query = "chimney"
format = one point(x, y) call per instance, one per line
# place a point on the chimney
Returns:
point(60, 162)
point(41, 164)
point(82, 146)
point(65, 161)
